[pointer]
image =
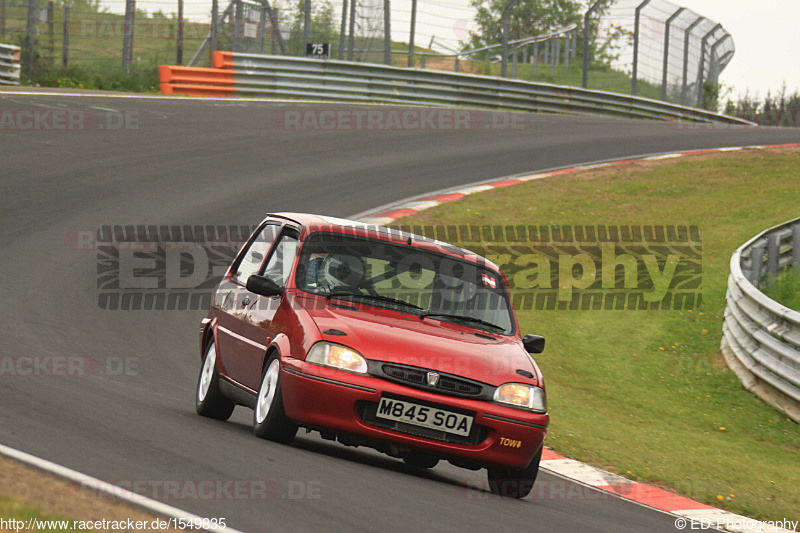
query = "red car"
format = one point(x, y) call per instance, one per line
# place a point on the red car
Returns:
point(380, 338)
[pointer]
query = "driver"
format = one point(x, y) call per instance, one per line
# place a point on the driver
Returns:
point(339, 272)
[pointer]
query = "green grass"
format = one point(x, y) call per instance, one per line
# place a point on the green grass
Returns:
point(600, 77)
point(646, 393)
point(140, 78)
point(785, 288)
point(11, 508)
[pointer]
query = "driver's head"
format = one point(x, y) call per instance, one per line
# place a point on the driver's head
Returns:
point(342, 270)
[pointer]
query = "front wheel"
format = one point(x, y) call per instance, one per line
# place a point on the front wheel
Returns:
point(208, 400)
point(512, 483)
point(269, 418)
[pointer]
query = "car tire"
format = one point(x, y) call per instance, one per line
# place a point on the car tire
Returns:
point(208, 400)
point(269, 418)
point(420, 460)
point(511, 483)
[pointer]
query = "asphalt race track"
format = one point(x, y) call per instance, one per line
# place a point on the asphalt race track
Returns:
point(223, 162)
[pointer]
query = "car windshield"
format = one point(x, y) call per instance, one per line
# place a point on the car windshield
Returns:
point(406, 278)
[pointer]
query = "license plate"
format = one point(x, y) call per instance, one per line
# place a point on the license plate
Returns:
point(422, 415)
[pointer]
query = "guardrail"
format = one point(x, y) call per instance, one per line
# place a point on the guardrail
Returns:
point(195, 81)
point(9, 64)
point(343, 81)
point(761, 337)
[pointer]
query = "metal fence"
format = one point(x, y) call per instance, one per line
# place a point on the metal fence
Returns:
point(55, 34)
point(761, 337)
point(669, 52)
point(9, 64)
point(671, 47)
point(302, 78)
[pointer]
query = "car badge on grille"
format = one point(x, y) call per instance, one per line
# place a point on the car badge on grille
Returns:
point(433, 378)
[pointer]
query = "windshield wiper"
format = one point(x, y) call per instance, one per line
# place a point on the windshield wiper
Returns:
point(465, 318)
point(376, 297)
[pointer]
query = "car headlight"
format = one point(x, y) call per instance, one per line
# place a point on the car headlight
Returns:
point(337, 356)
point(522, 396)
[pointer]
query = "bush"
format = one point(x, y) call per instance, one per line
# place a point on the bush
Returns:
point(141, 78)
point(785, 288)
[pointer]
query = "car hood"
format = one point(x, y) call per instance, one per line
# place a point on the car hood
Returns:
point(387, 335)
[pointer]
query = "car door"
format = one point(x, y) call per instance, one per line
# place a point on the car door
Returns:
point(252, 328)
point(232, 301)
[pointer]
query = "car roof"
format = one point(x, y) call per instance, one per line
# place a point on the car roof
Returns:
point(311, 223)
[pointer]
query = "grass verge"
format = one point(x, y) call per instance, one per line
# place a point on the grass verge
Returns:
point(27, 493)
point(646, 394)
point(12, 509)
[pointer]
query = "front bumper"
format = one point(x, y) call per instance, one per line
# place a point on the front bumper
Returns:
point(342, 402)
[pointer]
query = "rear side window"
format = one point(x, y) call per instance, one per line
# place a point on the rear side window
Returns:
point(254, 256)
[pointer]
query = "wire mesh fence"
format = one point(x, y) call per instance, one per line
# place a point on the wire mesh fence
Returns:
point(677, 50)
point(671, 54)
point(89, 36)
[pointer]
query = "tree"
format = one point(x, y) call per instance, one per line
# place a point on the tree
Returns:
point(323, 24)
point(607, 39)
point(783, 109)
point(529, 18)
point(711, 92)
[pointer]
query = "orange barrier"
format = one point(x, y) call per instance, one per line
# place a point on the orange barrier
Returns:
point(193, 81)
point(222, 59)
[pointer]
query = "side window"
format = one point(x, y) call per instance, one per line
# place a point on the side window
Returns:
point(254, 256)
point(279, 265)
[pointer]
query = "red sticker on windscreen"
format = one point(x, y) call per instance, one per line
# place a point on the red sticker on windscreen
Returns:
point(488, 280)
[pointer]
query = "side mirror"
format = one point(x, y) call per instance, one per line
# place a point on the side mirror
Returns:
point(263, 286)
point(532, 343)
